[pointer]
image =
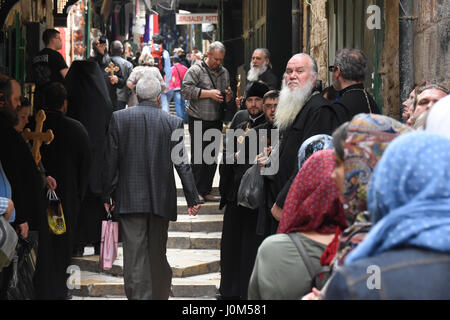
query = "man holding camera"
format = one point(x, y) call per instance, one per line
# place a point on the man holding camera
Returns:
point(207, 87)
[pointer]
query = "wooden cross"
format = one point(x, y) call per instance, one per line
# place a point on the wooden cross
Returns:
point(111, 69)
point(38, 136)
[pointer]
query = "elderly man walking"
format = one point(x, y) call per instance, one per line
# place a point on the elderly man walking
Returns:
point(207, 87)
point(139, 172)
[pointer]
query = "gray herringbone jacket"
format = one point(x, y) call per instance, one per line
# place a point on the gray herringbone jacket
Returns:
point(197, 78)
point(139, 167)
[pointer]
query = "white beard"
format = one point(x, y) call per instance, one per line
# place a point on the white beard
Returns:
point(254, 73)
point(290, 103)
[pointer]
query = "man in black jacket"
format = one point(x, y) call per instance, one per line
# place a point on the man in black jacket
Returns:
point(349, 71)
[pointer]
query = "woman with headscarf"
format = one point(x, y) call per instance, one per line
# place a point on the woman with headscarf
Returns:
point(358, 146)
point(408, 248)
point(313, 212)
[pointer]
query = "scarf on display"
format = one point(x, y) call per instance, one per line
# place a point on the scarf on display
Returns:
point(409, 197)
point(313, 202)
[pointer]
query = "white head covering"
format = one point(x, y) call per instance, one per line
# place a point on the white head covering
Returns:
point(439, 118)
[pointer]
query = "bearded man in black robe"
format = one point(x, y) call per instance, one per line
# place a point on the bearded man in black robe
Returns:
point(239, 242)
point(67, 159)
point(301, 113)
point(89, 102)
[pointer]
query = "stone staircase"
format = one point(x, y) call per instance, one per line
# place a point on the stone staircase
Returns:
point(193, 252)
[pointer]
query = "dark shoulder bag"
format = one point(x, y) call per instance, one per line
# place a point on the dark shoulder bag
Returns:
point(223, 105)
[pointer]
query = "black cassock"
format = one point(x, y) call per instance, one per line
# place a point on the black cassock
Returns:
point(27, 189)
point(89, 103)
point(316, 117)
point(239, 243)
point(67, 159)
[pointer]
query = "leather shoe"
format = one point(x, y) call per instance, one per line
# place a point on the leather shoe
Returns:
point(211, 198)
point(201, 199)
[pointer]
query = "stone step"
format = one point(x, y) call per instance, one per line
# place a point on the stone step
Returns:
point(184, 262)
point(103, 285)
point(206, 208)
point(199, 223)
point(194, 240)
point(180, 193)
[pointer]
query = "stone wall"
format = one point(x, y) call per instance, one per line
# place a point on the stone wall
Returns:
point(432, 41)
point(318, 35)
point(390, 62)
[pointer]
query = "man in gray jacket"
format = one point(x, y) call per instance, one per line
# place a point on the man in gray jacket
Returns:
point(126, 67)
point(207, 87)
point(139, 172)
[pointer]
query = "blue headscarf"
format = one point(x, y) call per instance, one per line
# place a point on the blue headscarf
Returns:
point(312, 145)
point(409, 196)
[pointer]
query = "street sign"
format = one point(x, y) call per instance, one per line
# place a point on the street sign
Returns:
point(197, 18)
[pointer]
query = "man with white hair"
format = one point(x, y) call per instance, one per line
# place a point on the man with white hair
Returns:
point(139, 175)
point(260, 70)
point(301, 113)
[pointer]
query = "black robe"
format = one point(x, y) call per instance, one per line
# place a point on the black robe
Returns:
point(28, 196)
point(352, 101)
point(103, 62)
point(239, 243)
point(316, 117)
point(67, 159)
point(89, 102)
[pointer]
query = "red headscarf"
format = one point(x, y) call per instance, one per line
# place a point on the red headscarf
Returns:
point(313, 201)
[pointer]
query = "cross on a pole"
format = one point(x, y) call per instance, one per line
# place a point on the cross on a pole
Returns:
point(38, 136)
point(111, 69)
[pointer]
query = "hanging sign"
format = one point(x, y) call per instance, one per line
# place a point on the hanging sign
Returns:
point(197, 18)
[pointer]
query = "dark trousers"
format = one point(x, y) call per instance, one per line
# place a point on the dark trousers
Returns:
point(147, 273)
point(238, 248)
point(203, 173)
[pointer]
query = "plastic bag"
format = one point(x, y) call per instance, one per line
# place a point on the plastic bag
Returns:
point(109, 243)
point(55, 214)
point(21, 286)
point(251, 189)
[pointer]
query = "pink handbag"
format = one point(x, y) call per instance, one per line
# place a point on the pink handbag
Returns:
point(109, 243)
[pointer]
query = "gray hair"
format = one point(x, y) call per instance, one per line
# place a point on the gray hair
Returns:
point(116, 48)
point(216, 45)
point(352, 63)
point(148, 88)
point(311, 59)
point(265, 51)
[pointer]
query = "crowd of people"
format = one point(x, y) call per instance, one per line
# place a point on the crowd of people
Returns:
point(343, 189)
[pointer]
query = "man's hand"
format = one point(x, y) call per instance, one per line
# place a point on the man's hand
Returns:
point(24, 229)
point(192, 211)
point(215, 95)
point(238, 102)
point(9, 210)
point(277, 212)
point(113, 79)
point(229, 94)
point(109, 207)
point(263, 158)
point(51, 183)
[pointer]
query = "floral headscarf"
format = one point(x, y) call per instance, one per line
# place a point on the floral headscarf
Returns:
point(313, 202)
point(368, 135)
point(409, 197)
